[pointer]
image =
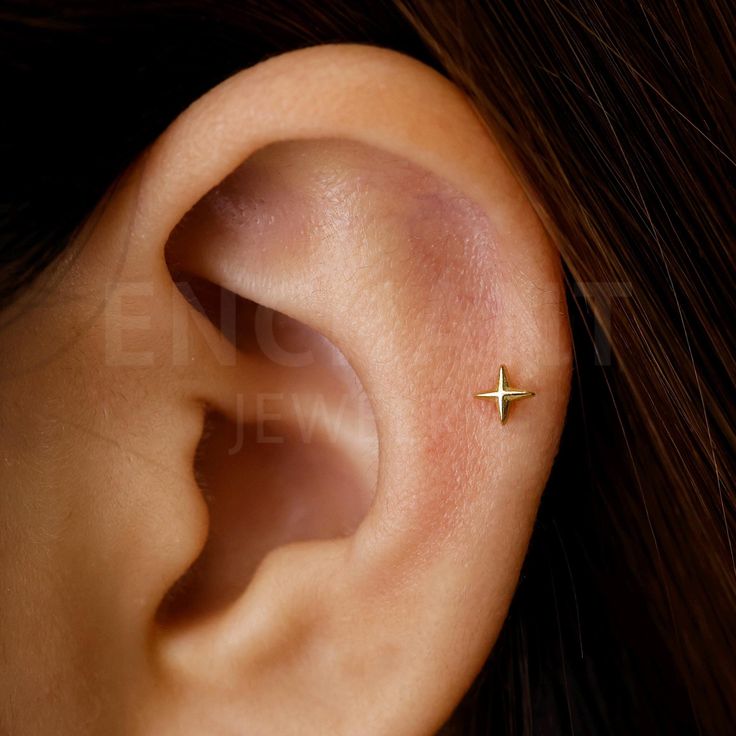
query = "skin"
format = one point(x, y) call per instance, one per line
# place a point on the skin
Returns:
point(352, 578)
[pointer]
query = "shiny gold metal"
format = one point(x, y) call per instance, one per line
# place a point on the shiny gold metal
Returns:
point(503, 395)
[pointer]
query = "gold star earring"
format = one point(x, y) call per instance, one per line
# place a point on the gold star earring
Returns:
point(503, 395)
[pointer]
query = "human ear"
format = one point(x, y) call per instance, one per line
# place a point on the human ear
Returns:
point(305, 281)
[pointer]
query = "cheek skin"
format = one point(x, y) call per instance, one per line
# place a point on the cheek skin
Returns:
point(96, 497)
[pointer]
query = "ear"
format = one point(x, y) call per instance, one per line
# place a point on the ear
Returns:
point(333, 525)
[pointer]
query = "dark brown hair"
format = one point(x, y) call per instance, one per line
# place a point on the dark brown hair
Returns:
point(619, 118)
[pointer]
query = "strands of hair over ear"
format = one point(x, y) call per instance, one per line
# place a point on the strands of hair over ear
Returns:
point(619, 120)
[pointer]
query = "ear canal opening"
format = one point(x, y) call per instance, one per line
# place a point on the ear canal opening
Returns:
point(297, 459)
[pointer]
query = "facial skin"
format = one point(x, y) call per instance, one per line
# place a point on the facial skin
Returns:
point(169, 566)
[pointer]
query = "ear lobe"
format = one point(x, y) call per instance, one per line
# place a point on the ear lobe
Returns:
point(374, 209)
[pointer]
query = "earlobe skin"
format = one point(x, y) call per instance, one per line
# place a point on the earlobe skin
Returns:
point(355, 192)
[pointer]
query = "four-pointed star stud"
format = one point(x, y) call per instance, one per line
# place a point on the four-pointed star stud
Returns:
point(503, 395)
